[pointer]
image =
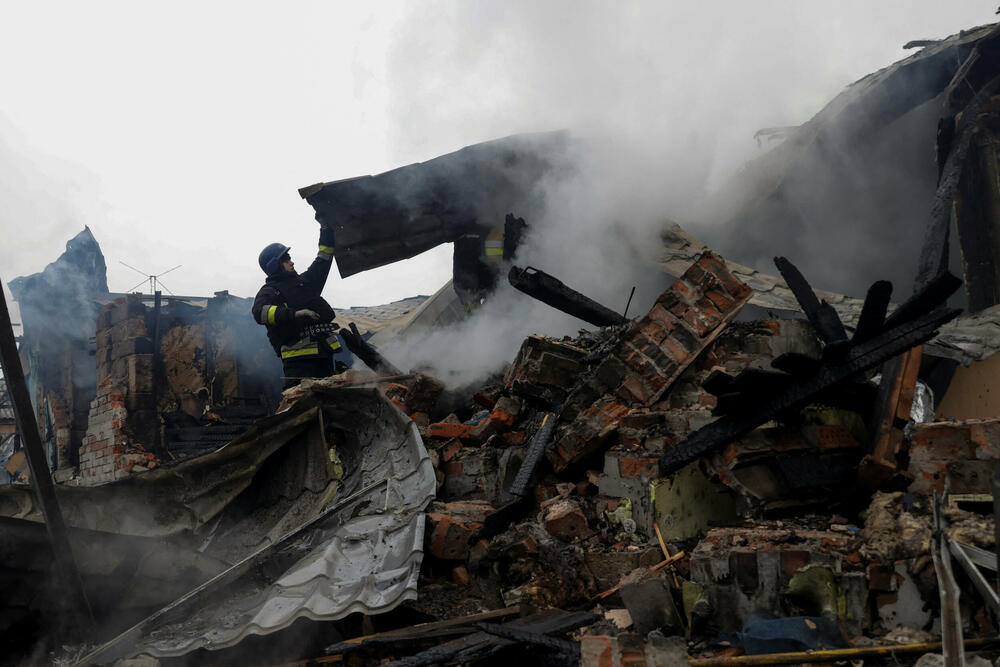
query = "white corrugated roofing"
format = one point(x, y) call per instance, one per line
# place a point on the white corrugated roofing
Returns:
point(361, 554)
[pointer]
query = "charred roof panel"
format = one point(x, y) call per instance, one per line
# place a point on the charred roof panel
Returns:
point(401, 213)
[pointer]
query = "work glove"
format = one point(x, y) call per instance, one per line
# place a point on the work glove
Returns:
point(305, 313)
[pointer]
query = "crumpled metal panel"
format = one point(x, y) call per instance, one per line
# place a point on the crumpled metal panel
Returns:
point(362, 554)
point(401, 213)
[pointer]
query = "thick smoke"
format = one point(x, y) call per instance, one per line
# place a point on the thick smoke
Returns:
point(665, 101)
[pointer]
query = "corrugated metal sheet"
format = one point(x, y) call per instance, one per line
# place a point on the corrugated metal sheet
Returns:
point(361, 554)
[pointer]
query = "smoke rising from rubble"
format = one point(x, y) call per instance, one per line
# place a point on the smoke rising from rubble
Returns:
point(664, 102)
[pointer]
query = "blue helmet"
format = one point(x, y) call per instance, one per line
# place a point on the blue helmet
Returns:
point(270, 258)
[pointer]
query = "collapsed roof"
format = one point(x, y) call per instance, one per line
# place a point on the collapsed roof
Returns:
point(849, 191)
point(328, 494)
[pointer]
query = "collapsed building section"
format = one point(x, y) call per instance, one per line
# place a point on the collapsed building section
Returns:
point(750, 467)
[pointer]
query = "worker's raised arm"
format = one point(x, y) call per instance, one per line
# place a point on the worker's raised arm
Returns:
point(315, 276)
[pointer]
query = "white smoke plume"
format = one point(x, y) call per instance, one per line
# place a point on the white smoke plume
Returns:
point(665, 99)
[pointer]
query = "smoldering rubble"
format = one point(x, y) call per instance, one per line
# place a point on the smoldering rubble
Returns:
point(746, 469)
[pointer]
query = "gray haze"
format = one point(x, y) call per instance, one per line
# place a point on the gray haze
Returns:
point(180, 136)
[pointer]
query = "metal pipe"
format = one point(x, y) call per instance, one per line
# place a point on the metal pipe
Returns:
point(75, 599)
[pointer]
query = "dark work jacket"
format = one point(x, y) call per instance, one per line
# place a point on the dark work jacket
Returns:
point(285, 293)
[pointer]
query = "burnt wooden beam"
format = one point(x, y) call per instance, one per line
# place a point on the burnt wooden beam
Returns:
point(918, 322)
point(936, 291)
point(892, 411)
point(934, 249)
point(462, 625)
point(483, 644)
point(554, 292)
point(872, 317)
point(79, 619)
point(519, 493)
point(820, 314)
point(367, 352)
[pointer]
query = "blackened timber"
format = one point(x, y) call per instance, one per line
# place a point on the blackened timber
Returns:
point(797, 363)
point(860, 358)
point(934, 292)
point(80, 618)
point(482, 644)
point(934, 250)
point(820, 314)
point(462, 625)
point(521, 485)
point(919, 322)
point(566, 650)
point(366, 352)
point(518, 496)
point(873, 311)
point(552, 291)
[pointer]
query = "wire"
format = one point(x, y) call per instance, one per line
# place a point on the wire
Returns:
point(134, 269)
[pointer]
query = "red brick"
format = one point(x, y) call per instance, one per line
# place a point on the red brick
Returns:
point(565, 520)
point(833, 437)
point(444, 430)
point(679, 354)
point(632, 389)
point(597, 651)
point(684, 291)
point(717, 268)
point(881, 578)
point(515, 438)
point(635, 467)
point(450, 450)
point(589, 432)
point(793, 560)
point(706, 308)
point(502, 418)
point(661, 316)
point(721, 301)
point(701, 326)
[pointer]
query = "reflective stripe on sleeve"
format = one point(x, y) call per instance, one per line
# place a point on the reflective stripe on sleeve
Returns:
point(328, 249)
point(271, 312)
point(300, 352)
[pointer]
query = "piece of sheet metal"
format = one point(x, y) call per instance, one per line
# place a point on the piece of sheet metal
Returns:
point(361, 554)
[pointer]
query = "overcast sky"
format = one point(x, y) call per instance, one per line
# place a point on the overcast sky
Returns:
point(180, 132)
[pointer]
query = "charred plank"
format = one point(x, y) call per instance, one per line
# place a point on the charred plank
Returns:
point(519, 493)
point(366, 352)
point(919, 321)
point(552, 291)
point(873, 311)
point(820, 314)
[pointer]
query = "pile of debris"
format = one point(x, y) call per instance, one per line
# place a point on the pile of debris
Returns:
point(749, 473)
point(559, 487)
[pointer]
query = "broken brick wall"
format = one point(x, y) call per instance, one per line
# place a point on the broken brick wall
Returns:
point(211, 360)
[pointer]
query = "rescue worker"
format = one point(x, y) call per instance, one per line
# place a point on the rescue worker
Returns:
point(289, 302)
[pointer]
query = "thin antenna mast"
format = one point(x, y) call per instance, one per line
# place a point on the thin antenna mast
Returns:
point(153, 279)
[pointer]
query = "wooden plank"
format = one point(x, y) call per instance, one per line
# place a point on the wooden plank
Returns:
point(892, 411)
point(552, 291)
point(435, 629)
